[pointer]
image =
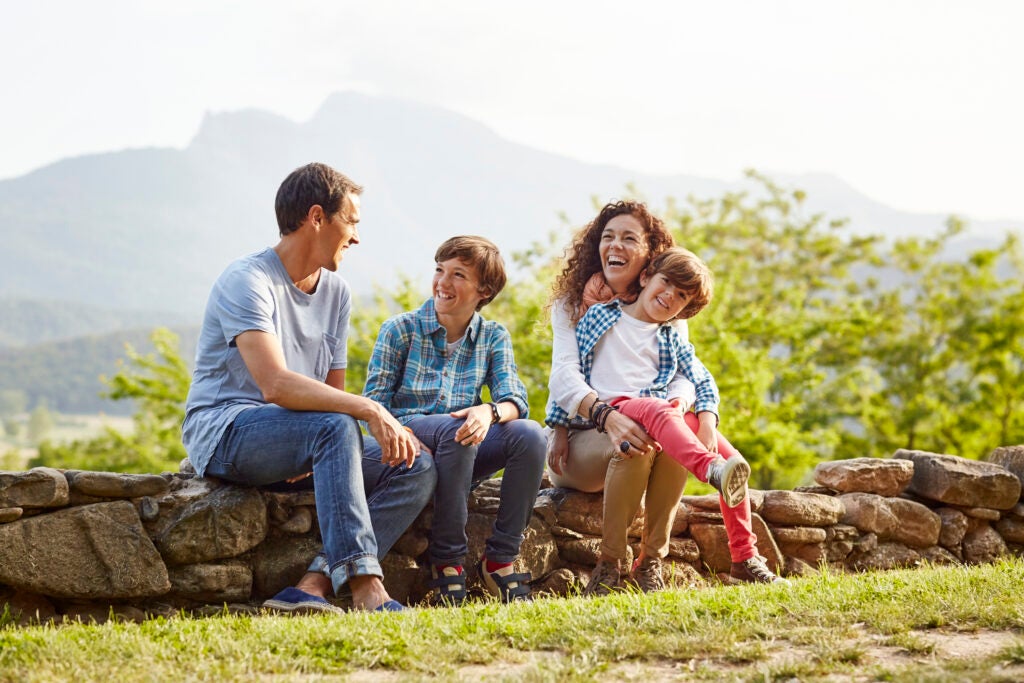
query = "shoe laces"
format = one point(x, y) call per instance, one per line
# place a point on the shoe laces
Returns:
point(757, 567)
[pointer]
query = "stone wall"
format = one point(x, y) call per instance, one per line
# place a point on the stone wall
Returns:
point(86, 545)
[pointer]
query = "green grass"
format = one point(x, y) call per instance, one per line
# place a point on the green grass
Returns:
point(871, 627)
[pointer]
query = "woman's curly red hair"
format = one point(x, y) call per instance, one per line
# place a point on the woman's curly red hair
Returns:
point(583, 259)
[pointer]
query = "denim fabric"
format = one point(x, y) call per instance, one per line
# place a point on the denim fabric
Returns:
point(363, 505)
point(516, 446)
point(256, 293)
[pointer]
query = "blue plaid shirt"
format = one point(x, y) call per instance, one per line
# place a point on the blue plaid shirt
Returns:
point(674, 356)
point(410, 372)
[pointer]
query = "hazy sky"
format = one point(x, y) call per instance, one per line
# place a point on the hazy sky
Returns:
point(917, 104)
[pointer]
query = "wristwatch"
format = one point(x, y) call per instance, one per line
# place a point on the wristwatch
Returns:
point(495, 413)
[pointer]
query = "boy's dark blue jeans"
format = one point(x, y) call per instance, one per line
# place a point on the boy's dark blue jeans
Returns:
point(518, 447)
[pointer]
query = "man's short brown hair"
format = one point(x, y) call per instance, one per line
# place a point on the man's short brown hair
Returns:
point(684, 270)
point(482, 254)
point(309, 185)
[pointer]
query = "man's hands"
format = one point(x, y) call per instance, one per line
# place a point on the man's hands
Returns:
point(397, 444)
point(475, 428)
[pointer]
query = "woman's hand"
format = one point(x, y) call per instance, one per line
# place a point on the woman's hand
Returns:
point(558, 449)
point(706, 432)
point(476, 426)
point(622, 429)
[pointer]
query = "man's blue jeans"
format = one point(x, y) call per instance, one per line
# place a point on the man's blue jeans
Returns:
point(363, 505)
point(518, 447)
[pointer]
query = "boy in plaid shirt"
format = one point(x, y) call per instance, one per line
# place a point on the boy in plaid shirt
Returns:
point(428, 368)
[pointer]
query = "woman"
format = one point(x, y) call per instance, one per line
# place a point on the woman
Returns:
point(605, 261)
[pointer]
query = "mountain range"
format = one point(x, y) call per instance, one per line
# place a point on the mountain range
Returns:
point(150, 229)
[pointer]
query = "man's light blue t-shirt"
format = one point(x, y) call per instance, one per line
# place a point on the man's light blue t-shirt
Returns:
point(256, 293)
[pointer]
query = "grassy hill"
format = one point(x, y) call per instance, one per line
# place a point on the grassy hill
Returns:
point(66, 374)
point(27, 322)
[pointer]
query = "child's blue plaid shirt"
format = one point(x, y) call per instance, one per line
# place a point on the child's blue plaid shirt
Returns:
point(410, 372)
point(674, 356)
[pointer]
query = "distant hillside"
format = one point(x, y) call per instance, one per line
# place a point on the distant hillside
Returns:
point(66, 373)
point(26, 322)
point(150, 229)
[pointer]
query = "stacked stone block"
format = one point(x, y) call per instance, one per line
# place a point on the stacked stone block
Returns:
point(83, 545)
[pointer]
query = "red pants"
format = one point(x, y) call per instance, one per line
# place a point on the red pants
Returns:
point(677, 435)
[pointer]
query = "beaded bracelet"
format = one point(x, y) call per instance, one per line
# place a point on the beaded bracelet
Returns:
point(604, 417)
point(599, 415)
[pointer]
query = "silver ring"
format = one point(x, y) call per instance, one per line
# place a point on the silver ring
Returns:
point(625, 446)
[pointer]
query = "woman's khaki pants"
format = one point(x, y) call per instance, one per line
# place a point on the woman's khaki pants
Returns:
point(595, 464)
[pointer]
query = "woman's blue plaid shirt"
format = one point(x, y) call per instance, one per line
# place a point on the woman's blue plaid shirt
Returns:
point(410, 372)
point(674, 356)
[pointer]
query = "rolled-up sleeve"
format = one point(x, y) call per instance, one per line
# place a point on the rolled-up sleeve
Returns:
point(680, 387)
point(503, 378)
point(707, 391)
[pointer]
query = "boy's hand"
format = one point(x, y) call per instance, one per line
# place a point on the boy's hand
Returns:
point(706, 432)
point(558, 449)
point(476, 426)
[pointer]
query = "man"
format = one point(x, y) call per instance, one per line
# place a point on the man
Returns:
point(268, 400)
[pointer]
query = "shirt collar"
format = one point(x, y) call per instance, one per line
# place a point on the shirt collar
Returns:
point(614, 307)
point(430, 325)
point(619, 303)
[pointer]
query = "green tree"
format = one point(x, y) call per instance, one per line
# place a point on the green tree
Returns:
point(944, 350)
point(366, 322)
point(776, 335)
point(520, 307)
point(997, 365)
point(11, 460)
point(824, 344)
point(158, 383)
point(40, 423)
